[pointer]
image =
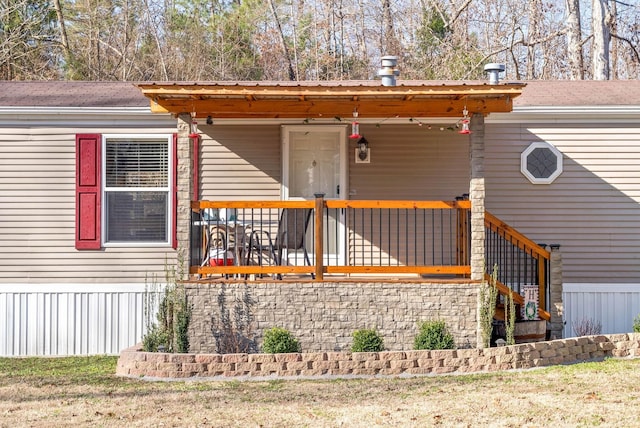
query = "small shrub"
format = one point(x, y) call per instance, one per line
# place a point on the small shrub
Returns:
point(154, 339)
point(172, 312)
point(510, 318)
point(488, 300)
point(636, 324)
point(586, 327)
point(279, 341)
point(367, 340)
point(434, 335)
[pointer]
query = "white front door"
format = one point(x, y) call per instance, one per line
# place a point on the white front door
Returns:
point(314, 162)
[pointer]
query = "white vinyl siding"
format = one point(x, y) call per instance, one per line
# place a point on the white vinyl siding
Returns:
point(592, 209)
point(410, 162)
point(240, 162)
point(37, 210)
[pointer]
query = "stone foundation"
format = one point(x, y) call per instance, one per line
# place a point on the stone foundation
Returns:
point(323, 316)
point(135, 363)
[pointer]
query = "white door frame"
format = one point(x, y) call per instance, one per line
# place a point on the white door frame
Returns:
point(341, 130)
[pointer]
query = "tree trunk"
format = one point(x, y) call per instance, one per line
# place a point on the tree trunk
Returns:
point(574, 40)
point(614, 42)
point(534, 22)
point(285, 48)
point(387, 45)
point(63, 31)
point(601, 39)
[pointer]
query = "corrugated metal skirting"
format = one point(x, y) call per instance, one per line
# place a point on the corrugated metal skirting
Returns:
point(613, 305)
point(70, 323)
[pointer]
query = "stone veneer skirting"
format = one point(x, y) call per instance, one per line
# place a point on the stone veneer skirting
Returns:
point(135, 363)
point(324, 315)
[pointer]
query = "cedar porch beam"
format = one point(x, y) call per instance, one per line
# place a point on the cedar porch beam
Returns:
point(332, 108)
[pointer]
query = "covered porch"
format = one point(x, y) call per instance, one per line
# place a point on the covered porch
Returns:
point(428, 225)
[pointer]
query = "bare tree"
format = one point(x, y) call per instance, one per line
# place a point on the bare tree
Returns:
point(316, 39)
point(535, 19)
point(29, 47)
point(285, 48)
point(601, 23)
point(63, 32)
point(574, 40)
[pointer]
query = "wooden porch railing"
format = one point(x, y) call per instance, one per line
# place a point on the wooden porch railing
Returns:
point(382, 237)
point(520, 262)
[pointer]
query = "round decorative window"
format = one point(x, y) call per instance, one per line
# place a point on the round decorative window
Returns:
point(541, 163)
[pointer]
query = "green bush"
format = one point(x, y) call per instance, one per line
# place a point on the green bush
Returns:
point(636, 324)
point(279, 341)
point(367, 340)
point(154, 339)
point(434, 335)
point(167, 314)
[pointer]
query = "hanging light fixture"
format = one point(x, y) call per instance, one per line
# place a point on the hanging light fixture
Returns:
point(355, 126)
point(465, 122)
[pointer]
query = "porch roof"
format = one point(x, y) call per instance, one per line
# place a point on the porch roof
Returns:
point(329, 99)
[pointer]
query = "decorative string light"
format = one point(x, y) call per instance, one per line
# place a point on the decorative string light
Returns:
point(419, 122)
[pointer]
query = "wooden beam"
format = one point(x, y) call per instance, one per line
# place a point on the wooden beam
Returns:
point(229, 108)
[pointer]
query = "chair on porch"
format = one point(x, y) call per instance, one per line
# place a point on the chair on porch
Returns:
point(290, 237)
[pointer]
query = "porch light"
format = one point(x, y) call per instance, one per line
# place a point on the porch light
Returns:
point(465, 122)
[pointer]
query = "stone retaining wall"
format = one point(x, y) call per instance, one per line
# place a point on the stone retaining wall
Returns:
point(324, 315)
point(134, 363)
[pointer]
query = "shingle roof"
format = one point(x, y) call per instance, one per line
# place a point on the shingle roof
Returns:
point(70, 94)
point(579, 93)
point(126, 94)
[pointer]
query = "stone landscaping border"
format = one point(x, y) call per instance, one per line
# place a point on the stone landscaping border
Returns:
point(135, 363)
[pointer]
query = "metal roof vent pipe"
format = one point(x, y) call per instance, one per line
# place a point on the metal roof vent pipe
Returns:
point(493, 70)
point(388, 72)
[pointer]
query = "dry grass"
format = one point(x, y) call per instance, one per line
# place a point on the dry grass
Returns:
point(84, 392)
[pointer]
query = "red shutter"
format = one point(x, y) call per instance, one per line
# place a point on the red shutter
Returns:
point(88, 194)
point(174, 191)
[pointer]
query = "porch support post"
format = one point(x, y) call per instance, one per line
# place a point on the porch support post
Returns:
point(319, 248)
point(556, 324)
point(184, 184)
point(476, 196)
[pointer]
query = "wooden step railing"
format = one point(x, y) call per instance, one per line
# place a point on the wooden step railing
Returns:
point(519, 260)
point(517, 299)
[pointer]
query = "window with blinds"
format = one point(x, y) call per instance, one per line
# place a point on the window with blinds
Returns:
point(136, 190)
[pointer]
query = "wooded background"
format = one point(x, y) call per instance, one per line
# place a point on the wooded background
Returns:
point(200, 40)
